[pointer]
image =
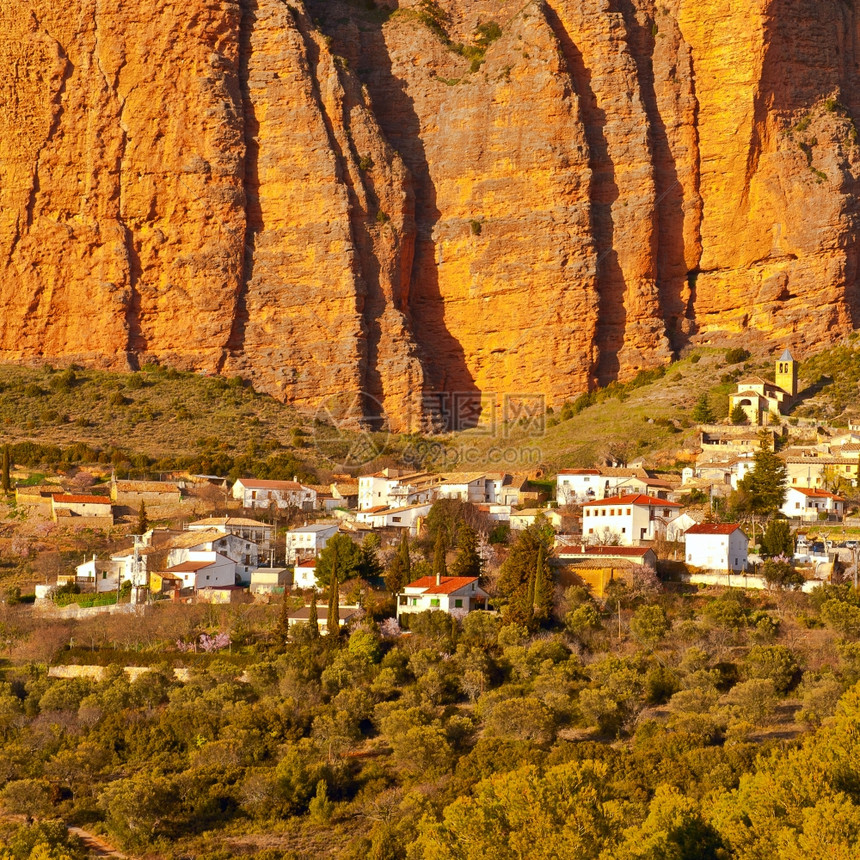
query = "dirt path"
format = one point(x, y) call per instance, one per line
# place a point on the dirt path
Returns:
point(96, 845)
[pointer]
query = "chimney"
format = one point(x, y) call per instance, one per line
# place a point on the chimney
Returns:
point(438, 578)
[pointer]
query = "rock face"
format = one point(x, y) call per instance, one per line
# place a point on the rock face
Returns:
point(400, 210)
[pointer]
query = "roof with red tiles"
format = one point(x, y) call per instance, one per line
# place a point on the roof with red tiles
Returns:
point(447, 584)
point(713, 529)
point(633, 499)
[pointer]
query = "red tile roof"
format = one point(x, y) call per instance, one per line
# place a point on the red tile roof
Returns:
point(818, 494)
point(634, 499)
point(254, 484)
point(69, 499)
point(635, 551)
point(447, 585)
point(579, 471)
point(189, 566)
point(307, 562)
point(712, 529)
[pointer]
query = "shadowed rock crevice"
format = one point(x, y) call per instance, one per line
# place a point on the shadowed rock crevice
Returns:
point(254, 223)
point(612, 313)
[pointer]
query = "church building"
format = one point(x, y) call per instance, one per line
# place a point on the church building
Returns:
point(764, 402)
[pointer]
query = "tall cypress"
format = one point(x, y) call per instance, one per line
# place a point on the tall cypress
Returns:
point(530, 597)
point(405, 563)
point(539, 607)
point(439, 554)
point(6, 479)
point(333, 619)
point(313, 621)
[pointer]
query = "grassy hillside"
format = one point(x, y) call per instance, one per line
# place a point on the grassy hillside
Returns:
point(166, 417)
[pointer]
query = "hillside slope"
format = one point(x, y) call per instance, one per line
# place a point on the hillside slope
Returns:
point(378, 203)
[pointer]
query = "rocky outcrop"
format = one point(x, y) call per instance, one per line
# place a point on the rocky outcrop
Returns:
point(380, 209)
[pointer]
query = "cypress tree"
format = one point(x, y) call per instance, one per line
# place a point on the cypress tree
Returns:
point(142, 519)
point(765, 484)
point(439, 554)
point(702, 412)
point(405, 562)
point(333, 618)
point(400, 568)
point(7, 481)
point(538, 605)
point(468, 561)
point(283, 629)
point(313, 621)
point(530, 597)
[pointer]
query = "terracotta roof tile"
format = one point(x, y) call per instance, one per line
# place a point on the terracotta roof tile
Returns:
point(633, 499)
point(712, 529)
point(447, 585)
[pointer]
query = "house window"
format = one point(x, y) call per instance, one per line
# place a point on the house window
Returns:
point(434, 601)
point(624, 531)
point(414, 601)
point(628, 512)
point(396, 519)
point(458, 603)
point(404, 601)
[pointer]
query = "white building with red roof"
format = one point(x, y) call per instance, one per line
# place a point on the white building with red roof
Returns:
point(204, 570)
point(305, 573)
point(82, 510)
point(254, 493)
point(720, 547)
point(807, 503)
point(455, 595)
point(628, 519)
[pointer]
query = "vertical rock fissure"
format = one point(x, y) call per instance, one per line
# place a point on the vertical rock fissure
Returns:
point(611, 286)
point(669, 210)
point(692, 274)
point(372, 393)
point(250, 185)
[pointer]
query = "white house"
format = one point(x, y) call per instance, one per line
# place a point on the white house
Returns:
point(629, 519)
point(88, 510)
point(717, 546)
point(283, 494)
point(410, 516)
point(575, 486)
point(94, 575)
point(452, 594)
point(390, 488)
point(243, 553)
point(250, 530)
point(309, 540)
point(678, 527)
point(305, 573)
point(204, 570)
point(466, 486)
point(807, 503)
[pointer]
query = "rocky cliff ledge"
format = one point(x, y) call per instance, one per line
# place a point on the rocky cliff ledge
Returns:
point(373, 202)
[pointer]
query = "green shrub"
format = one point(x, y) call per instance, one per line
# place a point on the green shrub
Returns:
point(737, 355)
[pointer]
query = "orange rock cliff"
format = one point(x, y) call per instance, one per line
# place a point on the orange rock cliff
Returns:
point(380, 202)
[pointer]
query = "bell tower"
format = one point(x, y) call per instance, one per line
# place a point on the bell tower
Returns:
point(786, 373)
